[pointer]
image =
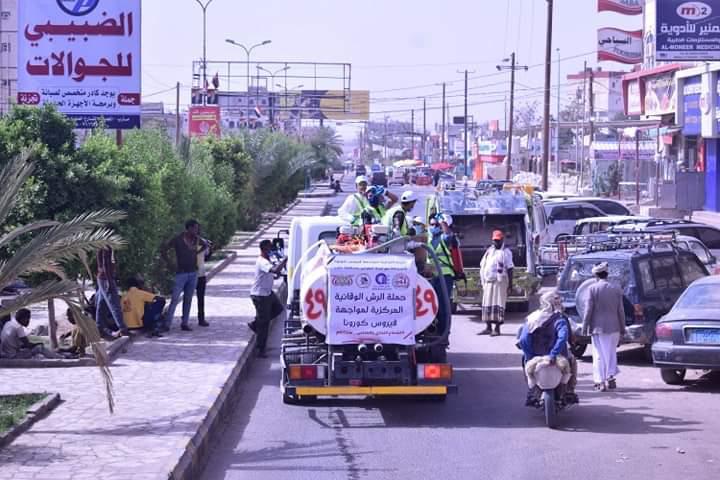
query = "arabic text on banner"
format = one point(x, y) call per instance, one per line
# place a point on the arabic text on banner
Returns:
point(84, 57)
point(372, 300)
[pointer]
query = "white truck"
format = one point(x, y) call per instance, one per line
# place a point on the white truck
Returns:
point(476, 214)
point(361, 320)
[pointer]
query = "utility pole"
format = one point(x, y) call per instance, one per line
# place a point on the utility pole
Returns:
point(385, 139)
point(177, 114)
point(512, 68)
point(546, 113)
point(591, 98)
point(412, 133)
point(442, 137)
point(557, 128)
point(465, 120)
point(424, 129)
point(582, 129)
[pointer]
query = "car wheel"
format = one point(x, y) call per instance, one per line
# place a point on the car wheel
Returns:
point(673, 376)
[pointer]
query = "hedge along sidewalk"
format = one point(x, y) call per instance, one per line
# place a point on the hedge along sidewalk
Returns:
point(172, 393)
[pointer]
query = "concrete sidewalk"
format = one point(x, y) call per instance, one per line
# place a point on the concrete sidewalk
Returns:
point(171, 393)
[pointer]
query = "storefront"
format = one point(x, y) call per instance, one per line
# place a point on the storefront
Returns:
point(698, 115)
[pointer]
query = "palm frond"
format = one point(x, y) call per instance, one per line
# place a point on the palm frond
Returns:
point(12, 178)
point(20, 231)
point(62, 242)
point(39, 294)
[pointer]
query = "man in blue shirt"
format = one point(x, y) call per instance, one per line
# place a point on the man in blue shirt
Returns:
point(547, 333)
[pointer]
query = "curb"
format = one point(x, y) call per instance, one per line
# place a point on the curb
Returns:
point(113, 349)
point(193, 461)
point(35, 412)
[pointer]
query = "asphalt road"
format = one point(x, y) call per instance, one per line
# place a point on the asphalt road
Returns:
point(644, 430)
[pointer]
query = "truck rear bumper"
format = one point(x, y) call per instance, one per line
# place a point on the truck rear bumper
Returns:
point(346, 390)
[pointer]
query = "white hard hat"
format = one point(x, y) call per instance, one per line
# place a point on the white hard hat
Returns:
point(408, 196)
point(360, 179)
point(447, 218)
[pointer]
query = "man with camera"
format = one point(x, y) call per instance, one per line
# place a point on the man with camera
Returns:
point(267, 304)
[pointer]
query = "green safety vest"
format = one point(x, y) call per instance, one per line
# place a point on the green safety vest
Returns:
point(364, 205)
point(377, 213)
point(388, 220)
point(443, 253)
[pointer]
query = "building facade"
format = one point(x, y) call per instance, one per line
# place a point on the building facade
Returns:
point(8, 54)
point(607, 92)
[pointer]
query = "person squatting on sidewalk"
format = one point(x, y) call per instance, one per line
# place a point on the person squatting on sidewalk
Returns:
point(267, 304)
point(604, 319)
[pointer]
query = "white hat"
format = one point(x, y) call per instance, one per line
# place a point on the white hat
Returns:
point(600, 268)
point(408, 196)
point(360, 179)
point(447, 218)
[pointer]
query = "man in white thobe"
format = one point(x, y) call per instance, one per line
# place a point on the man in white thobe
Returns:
point(604, 319)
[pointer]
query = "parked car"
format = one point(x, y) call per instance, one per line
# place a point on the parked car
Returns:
point(710, 236)
point(607, 205)
point(651, 278)
point(591, 225)
point(447, 181)
point(379, 178)
point(398, 177)
point(563, 215)
point(688, 337)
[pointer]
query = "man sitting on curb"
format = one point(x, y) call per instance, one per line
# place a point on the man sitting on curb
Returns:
point(142, 309)
point(267, 304)
point(14, 342)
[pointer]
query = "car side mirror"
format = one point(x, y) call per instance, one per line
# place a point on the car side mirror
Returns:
point(551, 220)
point(713, 259)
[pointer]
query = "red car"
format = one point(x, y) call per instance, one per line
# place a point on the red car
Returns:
point(423, 179)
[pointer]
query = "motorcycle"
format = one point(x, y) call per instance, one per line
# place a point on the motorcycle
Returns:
point(552, 399)
point(277, 253)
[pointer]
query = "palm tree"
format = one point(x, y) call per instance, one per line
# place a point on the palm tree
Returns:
point(44, 247)
point(327, 148)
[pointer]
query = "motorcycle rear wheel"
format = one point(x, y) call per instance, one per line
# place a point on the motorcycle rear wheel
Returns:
point(548, 397)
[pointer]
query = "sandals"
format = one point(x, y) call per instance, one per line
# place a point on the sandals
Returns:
point(600, 387)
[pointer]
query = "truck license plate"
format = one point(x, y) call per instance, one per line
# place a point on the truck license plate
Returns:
point(707, 336)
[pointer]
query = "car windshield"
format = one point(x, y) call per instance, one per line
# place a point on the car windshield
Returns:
point(581, 270)
point(706, 296)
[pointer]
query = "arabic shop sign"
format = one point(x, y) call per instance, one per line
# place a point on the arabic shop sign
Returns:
point(615, 45)
point(660, 94)
point(692, 115)
point(82, 56)
point(688, 31)
point(204, 121)
point(625, 7)
point(372, 299)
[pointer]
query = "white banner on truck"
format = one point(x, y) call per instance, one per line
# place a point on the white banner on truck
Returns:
point(372, 299)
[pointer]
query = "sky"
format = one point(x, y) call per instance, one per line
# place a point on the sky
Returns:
point(400, 50)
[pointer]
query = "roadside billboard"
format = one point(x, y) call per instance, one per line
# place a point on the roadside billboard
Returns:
point(334, 105)
point(615, 45)
point(82, 56)
point(204, 121)
point(626, 7)
point(660, 94)
point(687, 30)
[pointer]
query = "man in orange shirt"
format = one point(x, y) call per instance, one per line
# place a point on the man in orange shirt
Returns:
point(142, 309)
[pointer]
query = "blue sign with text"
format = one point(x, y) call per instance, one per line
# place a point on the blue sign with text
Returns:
point(687, 30)
point(692, 123)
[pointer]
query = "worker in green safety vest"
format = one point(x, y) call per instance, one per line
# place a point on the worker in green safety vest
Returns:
point(378, 204)
point(441, 240)
point(398, 218)
point(356, 203)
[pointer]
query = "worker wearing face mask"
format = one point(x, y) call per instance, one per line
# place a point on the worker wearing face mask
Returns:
point(442, 240)
point(496, 275)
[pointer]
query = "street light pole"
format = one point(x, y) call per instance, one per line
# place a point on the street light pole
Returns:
point(204, 7)
point(442, 137)
point(546, 112)
point(272, 82)
point(248, 51)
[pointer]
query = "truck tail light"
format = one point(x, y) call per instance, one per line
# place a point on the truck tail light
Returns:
point(639, 313)
point(306, 372)
point(434, 371)
point(663, 331)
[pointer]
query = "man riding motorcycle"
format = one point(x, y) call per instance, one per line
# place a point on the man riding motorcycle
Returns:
point(546, 333)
